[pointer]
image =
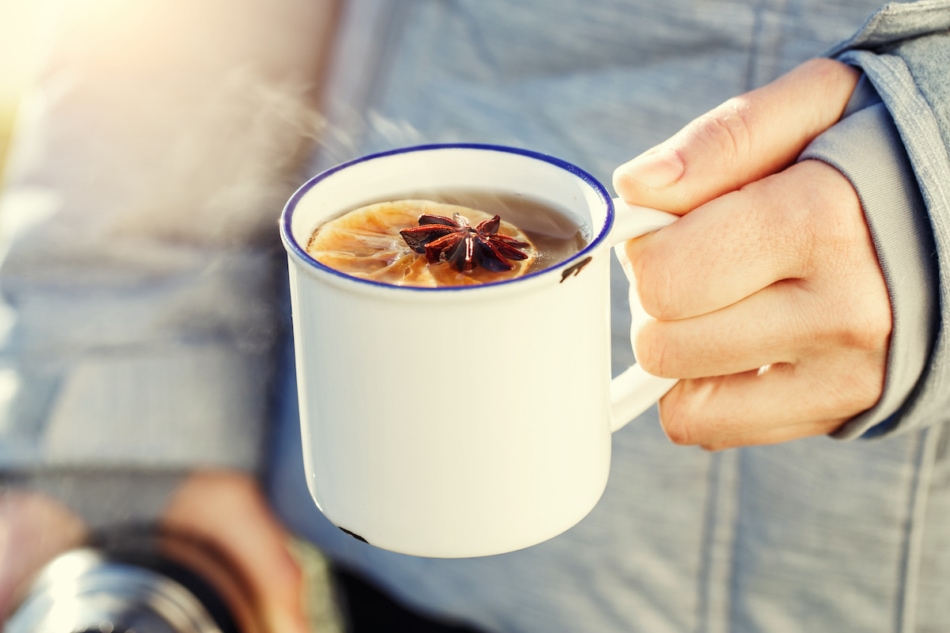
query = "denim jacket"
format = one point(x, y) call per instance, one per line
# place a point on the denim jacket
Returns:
point(812, 535)
point(144, 283)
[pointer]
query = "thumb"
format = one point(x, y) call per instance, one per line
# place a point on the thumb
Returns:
point(740, 141)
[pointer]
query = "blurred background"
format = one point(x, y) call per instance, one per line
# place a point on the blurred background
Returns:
point(25, 30)
point(22, 42)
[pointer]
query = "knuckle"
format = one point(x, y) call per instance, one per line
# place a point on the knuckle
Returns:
point(654, 285)
point(867, 392)
point(675, 423)
point(727, 128)
point(624, 183)
point(719, 446)
point(856, 392)
point(870, 390)
point(825, 72)
point(875, 332)
point(651, 350)
point(865, 326)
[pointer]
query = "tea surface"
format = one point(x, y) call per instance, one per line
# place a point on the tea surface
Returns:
point(365, 242)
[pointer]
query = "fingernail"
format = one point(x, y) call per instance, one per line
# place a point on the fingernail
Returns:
point(655, 169)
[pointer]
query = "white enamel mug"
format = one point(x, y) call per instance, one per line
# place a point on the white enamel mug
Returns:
point(465, 421)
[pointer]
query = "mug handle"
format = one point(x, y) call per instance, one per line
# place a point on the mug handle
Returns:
point(634, 391)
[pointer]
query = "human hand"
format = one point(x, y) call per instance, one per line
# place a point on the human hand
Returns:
point(228, 512)
point(34, 529)
point(766, 298)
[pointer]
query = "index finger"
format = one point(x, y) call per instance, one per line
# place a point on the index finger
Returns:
point(739, 142)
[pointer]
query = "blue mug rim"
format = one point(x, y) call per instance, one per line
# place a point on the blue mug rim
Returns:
point(292, 245)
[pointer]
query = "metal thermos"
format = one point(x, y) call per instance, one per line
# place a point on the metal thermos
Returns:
point(134, 583)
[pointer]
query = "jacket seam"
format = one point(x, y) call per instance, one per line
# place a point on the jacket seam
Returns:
point(912, 547)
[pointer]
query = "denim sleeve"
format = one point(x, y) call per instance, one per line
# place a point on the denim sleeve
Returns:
point(866, 148)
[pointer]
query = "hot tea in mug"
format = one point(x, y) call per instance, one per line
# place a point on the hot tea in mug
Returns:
point(392, 240)
point(458, 408)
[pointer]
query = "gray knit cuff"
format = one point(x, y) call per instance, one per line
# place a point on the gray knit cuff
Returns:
point(865, 146)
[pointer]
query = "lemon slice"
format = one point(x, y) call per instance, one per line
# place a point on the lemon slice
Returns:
point(366, 243)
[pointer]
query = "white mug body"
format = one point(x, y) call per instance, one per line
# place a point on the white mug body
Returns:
point(454, 422)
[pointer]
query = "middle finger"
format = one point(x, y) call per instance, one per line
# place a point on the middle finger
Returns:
point(735, 245)
point(774, 325)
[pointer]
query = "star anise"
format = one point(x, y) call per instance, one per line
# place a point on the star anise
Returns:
point(456, 241)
